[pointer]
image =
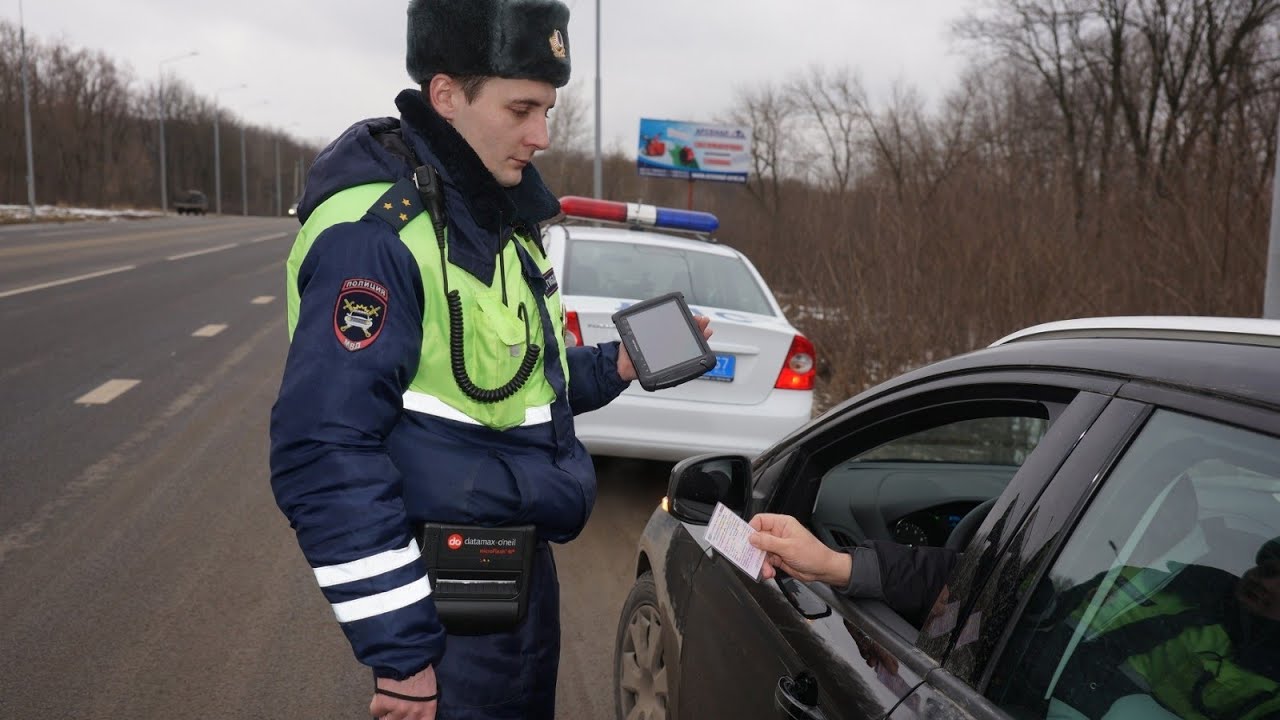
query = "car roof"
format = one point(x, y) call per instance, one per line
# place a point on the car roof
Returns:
point(648, 237)
point(1210, 356)
point(1249, 331)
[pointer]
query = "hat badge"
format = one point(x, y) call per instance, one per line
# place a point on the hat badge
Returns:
point(557, 45)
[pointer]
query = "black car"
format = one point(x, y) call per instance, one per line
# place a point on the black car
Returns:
point(192, 202)
point(1113, 487)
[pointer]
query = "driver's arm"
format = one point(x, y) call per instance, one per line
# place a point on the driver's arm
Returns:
point(908, 578)
point(905, 577)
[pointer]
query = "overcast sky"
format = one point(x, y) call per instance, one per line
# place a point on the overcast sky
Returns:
point(315, 66)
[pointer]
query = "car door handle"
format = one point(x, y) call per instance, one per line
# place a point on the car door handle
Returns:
point(797, 697)
point(809, 605)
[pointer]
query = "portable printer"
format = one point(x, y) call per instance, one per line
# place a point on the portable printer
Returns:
point(479, 576)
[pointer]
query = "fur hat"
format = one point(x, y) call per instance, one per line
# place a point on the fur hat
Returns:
point(521, 39)
point(1270, 550)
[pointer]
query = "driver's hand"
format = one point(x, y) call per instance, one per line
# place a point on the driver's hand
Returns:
point(790, 547)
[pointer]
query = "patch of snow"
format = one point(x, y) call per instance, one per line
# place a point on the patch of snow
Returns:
point(814, 312)
point(46, 213)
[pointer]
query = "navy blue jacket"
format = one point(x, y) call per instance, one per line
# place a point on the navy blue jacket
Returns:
point(354, 471)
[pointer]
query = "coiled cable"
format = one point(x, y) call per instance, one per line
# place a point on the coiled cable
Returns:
point(429, 188)
point(458, 361)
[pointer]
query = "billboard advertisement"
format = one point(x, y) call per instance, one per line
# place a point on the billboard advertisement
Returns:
point(694, 151)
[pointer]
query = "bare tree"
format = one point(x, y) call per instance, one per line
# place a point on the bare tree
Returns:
point(1045, 37)
point(771, 115)
point(833, 103)
point(568, 124)
point(96, 140)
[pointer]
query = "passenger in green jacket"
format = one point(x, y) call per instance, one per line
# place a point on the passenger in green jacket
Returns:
point(1197, 642)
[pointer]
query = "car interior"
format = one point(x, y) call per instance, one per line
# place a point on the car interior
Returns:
point(931, 484)
point(907, 502)
point(930, 487)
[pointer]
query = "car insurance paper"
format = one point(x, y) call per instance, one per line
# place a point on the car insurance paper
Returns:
point(728, 534)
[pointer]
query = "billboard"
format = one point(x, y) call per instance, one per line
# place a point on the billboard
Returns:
point(694, 151)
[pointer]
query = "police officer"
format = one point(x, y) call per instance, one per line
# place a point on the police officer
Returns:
point(427, 380)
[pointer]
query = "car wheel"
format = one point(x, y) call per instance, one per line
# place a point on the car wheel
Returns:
point(640, 661)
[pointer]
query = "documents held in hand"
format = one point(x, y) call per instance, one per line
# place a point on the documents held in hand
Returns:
point(728, 533)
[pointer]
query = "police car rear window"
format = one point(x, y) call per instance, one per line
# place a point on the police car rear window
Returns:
point(635, 271)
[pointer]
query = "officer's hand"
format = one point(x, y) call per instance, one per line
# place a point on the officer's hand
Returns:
point(794, 550)
point(421, 685)
point(628, 371)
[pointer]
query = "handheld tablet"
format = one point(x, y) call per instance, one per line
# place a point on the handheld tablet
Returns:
point(665, 344)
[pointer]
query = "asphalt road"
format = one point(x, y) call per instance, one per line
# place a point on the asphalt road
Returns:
point(145, 571)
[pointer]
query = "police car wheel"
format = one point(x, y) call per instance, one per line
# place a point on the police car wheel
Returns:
point(640, 668)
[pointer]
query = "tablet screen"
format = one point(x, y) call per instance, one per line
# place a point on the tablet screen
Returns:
point(663, 336)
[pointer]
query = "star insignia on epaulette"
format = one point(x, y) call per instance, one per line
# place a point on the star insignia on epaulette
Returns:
point(404, 218)
point(405, 202)
point(386, 206)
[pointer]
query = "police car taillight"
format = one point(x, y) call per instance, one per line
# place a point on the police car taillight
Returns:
point(637, 214)
point(800, 368)
point(572, 329)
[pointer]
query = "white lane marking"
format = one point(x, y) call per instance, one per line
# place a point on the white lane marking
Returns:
point(66, 281)
point(264, 299)
point(206, 251)
point(56, 233)
point(264, 238)
point(120, 461)
point(106, 392)
point(209, 331)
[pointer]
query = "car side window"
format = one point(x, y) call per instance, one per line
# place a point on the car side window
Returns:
point(916, 489)
point(1165, 601)
point(929, 481)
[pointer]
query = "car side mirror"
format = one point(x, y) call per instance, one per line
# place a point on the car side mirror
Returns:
point(698, 483)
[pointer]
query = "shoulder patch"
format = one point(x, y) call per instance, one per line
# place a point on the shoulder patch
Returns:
point(360, 312)
point(549, 277)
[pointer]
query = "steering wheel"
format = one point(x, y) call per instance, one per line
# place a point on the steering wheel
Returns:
point(968, 525)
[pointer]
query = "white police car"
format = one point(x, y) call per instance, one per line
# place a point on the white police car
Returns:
point(762, 387)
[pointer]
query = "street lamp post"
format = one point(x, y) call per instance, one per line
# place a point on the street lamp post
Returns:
point(244, 177)
point(279, 176)
point(1271, 286)
point(26, 114)
point(598, 170)
point(217, 145)
point(244, 165)
point(279, 210)
point(164, 171)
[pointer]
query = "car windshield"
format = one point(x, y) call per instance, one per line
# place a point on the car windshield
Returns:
point(639, 272)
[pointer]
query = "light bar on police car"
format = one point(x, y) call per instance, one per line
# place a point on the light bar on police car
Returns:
point(636, 214)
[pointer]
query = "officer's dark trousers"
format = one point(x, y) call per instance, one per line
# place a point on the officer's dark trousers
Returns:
point(507, 675)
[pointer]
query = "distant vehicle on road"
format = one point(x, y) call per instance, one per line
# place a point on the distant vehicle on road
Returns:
point(192, 202)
